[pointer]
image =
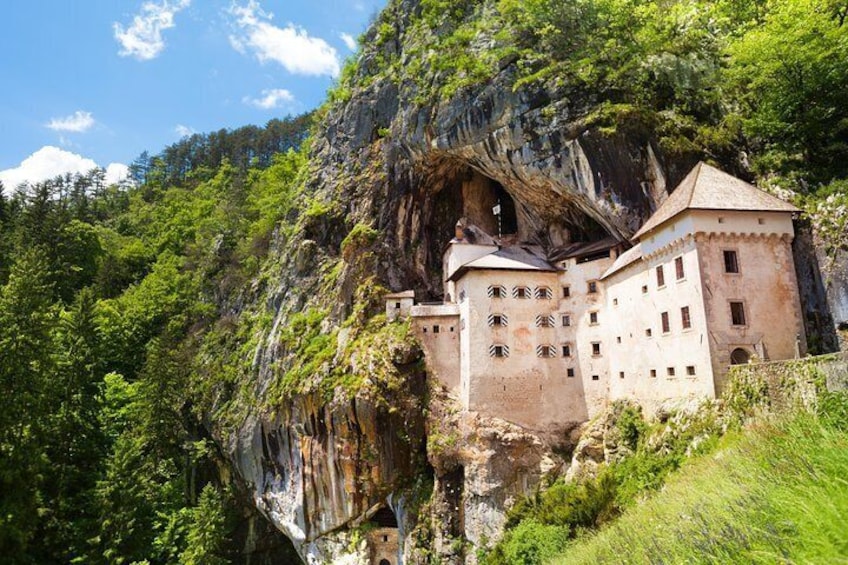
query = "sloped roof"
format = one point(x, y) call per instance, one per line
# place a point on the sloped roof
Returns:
point(625, 259)
point(582, 248)
point(515, 258)
point(708, 188)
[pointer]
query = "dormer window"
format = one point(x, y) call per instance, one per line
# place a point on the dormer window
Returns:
point(544, 321)
point(521, 292)
point(496, 291)
point(544, 293)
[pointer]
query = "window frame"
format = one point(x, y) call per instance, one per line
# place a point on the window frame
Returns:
point(496, 291)
point(522, 292)
point(735, 254)
point(679, 268)
point(665, 323)
point(498, 351)
point(685, 318)
point(593, 318)
point(741, 304)
point(660, 276)
point(596, 349)
point(543, 293)
point(592, 287)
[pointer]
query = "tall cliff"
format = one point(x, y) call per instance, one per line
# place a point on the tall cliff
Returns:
point(334, 417)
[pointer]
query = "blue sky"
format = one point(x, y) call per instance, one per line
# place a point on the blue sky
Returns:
point(100, 81)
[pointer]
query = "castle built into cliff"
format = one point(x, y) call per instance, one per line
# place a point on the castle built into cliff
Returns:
point(545, 339)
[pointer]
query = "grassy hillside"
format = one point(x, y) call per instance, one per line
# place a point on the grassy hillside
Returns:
point(776, 493)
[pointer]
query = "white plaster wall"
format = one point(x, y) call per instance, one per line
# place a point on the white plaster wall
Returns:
point(392, 310)
point(636, 311)
point(459, 254)
point(522, 388)
point(441, 350)
point(582, 332)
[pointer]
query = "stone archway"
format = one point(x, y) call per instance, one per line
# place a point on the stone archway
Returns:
point(740, 356)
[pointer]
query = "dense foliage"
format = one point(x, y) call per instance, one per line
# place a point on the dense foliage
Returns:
point(106, 293)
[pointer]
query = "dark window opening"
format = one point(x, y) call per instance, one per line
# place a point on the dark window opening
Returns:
point(497, 291)
point(397, 305)
point(521, 292)
point(593, 318)
point(566, 321)
point(666, 326)
point(566, 351)
point(593, 287)
point(660, 276)
point(737, 313)
point(644, 289)
point(435, 329)
point(690, 370)
point(596, 348)
point(731, 261)
point(569, 372)
point(678, 267)
point(685, 318)
point(653, 373)
point(649, 332)
point(621, 374)
point(670, 371)
point(596, 378)
point(566, 291)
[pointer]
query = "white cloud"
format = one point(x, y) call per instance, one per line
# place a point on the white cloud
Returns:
point(143, 38)
point(49, 162)
point(184, 131)
point(349, 40)
point(77, 122)
point(270, 99)
point(290, 46)
point(116, 172)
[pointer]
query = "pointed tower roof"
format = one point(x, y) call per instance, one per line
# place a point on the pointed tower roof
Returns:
point(708, 188)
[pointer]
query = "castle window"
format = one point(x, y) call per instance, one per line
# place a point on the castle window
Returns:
point(462, 295)
point(649, 332)
point(498, 351)
point(521, 292)
point(621, 374)
point(721, 220)
point(544, 293)
point(761, 221)
point(593, 318)
point(737, 313)
point(653, 373)
point(678, 268)
point(644, 289)
point(569, 372)
point(498, 320)
point(596, 348)
point(666, 326)
point(690, 370)
point(497, 291)
point(596, 378)
point(731, 261)
point(618, 339)
point(685, 319)
point(435, 329)
point(615, 301)
point(660, 277)
point(547, 351)
point(669, 371)
point(544, 321)
point(566, 291)
point(566, 350)
point(592, 287)
point(566, 320)
point(397, 305)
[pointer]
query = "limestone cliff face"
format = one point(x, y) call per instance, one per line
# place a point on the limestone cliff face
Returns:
point(409, 168)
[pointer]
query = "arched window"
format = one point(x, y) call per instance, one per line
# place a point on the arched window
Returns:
point(739, 356)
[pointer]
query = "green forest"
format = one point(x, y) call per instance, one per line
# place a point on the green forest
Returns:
point(118, 338)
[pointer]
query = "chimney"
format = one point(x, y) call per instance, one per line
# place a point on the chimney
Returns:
point(458, 233)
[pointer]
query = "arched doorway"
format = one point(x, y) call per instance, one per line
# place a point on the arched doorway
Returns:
point(384, 562)
point(739, 356)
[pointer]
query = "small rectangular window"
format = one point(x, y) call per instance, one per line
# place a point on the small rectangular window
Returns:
point(690, 370)
point(497, 291)
point(621, 374)
point(596, 378)
point(761, 221)
point(569, 372)
point(618, 339)
point(593, 287)
point(670, 371)
point(544, 293)
point(521, 292)
point(666, 326)
point(660, 277)
point(649, 332)
point(566, 350)
point(435, 329)
point(686, 321)
point(499, 351)
point(721, 220)
point(731, 261)
point(737, 313)
point(397, 305)
point(546, 351)
point(498, 320)
point(544, 321)
point(593, 318)
point(596, 348)
point(566, 291)
point(653, 373)
point(462, 295)
point(615, 301)
point(644, 289)
point(678, 268)
point(566, 320)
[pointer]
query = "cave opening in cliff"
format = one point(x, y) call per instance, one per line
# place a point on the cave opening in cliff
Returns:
point(465, 193)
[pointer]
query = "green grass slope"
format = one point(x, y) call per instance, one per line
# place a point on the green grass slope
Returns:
point(776, 493)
